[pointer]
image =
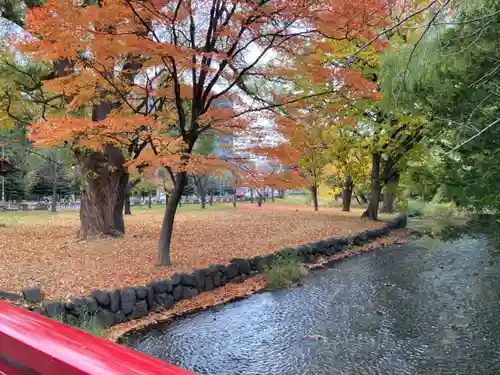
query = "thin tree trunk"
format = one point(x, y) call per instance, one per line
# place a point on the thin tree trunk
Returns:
point(234, 200)
point(259, 198)
point(163, 258)
point(203, 197)
point(53, 207)
point(375, 188)
point(127, 205)
point(314, 195)
point(150, 196)
point(272, 195)
point(347, 194)
point(251, 195)
point(118, 222)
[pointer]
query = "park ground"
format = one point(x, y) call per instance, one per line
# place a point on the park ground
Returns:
point(40, 248)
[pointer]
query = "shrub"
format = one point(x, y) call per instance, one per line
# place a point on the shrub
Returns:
point(84, 321)
point(283, 271)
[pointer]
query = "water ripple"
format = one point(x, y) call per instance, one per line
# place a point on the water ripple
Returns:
point(407, 310)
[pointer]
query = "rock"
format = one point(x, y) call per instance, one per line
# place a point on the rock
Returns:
point(311, 258)
point(101, 297)
point(243, 265)
point(53, 308)
point(217, 279)
point(159, 286)
point(140, 309)
point(188, 280)
point(127, 300)
point(231, 271)
point(209, 283)
point(10, 296)
point(165, 300)
point(178, 292)
point(120, 317)
point(269, 259)
point(38, 310)
point(176, 279)
point(379, 312)
point(189, 292)
point(237, 279)
point(114, 300)
point(220, 267)
point(343, 240)
point(32, 294)
point(199, 276)
point(104, 318)
point(141, 292)
point(75, 306)
point(91, 305)
point(260, 263)
point(150, 298)
point(314, 247)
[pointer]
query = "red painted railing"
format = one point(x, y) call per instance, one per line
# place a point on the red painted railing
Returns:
point(32, 344)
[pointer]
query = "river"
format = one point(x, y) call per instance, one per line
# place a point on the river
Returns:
point(410, 309)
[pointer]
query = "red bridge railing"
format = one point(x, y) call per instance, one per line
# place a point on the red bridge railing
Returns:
point(31, 344)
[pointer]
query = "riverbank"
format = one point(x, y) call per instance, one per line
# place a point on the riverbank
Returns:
point(233, 292)
point(40, 248)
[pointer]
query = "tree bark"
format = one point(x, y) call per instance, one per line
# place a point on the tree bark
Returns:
point(234, 200)
point(53, 207)
point(390, 191)
point(314, 195)
point(104, 173)
point(375, 188)
point(259, 198)
point(251, 195)
point(127, 205)
point(150, 196)
point(272, 195)
point(347, 194)
point(163, 258)
point(118, 222)
point(203, 197)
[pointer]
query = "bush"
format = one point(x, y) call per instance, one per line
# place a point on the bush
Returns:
point(83, 322)
point(283, 271)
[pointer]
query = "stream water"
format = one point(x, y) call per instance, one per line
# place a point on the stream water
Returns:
point(404, 310)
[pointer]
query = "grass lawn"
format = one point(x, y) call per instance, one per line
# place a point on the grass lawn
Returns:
point(41, 248)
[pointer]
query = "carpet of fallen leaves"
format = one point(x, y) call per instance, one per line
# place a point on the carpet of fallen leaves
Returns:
point(42, 250)
point(232, 292)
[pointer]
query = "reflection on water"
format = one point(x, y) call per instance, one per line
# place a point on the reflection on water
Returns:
point(406, 310)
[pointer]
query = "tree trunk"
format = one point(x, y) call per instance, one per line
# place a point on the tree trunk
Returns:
point(234, 200)
point(211, 197)
point(104, 171)
point(150, 196)
point(282, 193)
point(347, 194)
point(272, 195)
point(53, 207)
point(127, 205)
point(203, 197)
point(375, 188)
point(314, 195)
point(259, 199)
point(163, 258)
point(251, 195)
point(118, 222)
point(391, 186)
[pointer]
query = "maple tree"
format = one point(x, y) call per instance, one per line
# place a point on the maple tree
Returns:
point(155, 72)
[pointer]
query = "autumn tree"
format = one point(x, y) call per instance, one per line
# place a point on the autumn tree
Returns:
point(152, 72)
